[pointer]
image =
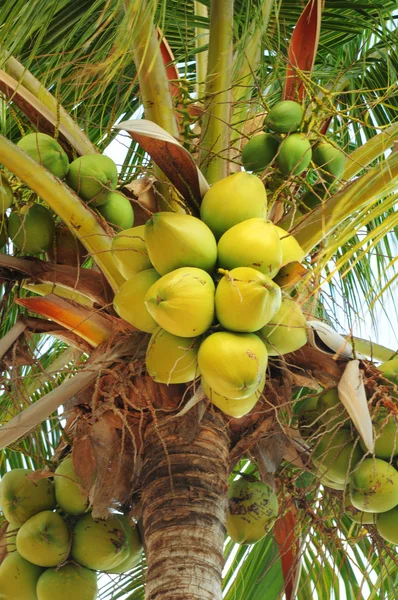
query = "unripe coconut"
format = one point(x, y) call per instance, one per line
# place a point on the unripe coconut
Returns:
point(6, 195)
point(44, 539)
point(252, 510)
point(69, 492)
point(135, 546)
point(99, 545)
point(18, 578)
point(374, 486)
point(172, 359)
point(260, 151)
point(231, 407)
point(11, 538)
point(284, 117)
point(358, 516)
point(246, 299)
point(389, 370)
point(32, 228)
point(21, 498)
point(3, 233)
point(130, 252)
point(66, 248)
point(329, 483)
point(287, 330)
point(175, 240)
point(336, 455)
point(294, 154)
point(254, 243)
point(117, 210)
point(387, 525)
point(386, 435)
point(332, 410)
point(46, 151)
point(233, 364)
point(129, 300)
point(231, 200)
point(330, 159)
point(92, 177)
point(66, 583)
point(182, 302)
point(291, 249)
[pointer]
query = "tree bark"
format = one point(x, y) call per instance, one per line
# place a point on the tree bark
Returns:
point(185, 483)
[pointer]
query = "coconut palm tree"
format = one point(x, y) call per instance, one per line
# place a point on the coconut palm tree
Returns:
point(173, 91)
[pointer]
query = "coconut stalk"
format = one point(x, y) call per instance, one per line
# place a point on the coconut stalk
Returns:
point(201, 39)
point(217, 102)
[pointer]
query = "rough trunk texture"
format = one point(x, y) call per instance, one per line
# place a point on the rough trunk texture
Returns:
point(184, 509)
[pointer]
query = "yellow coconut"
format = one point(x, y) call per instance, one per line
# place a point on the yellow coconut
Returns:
point(135, 547)
point(69, 492)
point(182, 302)
point(66, 583)
point(44, 539)
point(229, 406)
point(130, 252)
point(129, 300)
point(176, 240)
point(254, 243)
point(46, 151)
point(21, 497)
point(233, 364)
point(6, 195)
point(291, 249)
point(246, 299)
point(232, 200)
point(286, 332)
point(387, 525)
point(117, 210)
point(92, 177)
point(32, 228)
point(172, 359)
point(374, 486)
point(336, 455)
point(18, 578)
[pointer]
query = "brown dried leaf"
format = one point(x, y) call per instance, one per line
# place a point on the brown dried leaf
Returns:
point(289, 542)
point(144, 199)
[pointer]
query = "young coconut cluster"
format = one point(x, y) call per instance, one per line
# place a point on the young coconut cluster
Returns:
point(204, 289)
point(54, 546)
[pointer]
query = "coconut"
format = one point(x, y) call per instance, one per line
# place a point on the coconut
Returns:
point(231, 200)
point(182, 302)
point(389, 369)
point(135, 546)
point(44, 539)
point(374, 486)
point(69, 492)
point(21, 497)
point(260, 151)
point(336, 455)
point(329, 483)
point(332, 410)
point(233, 364)
point(330, 159)
point(99, 545)
point(46, 151)
point(246, 299)
point(6, 195)
point(252, 510)
point(291, 249)
point(3, 233)
point(172, 359)
point(130, 252)
point(294, 154)
point(69, 581)
point(254, 243)
point(18, 578)
point(386, 435)
point(287, 330)
point(284, 117)
point(32, 228)
point(387, 525)
point(117, 210)
point(358, 516)
point(312, 198)
point(92, 177)
point(229, 406)
point(176, 240)
point(129, 300)
point(66, 248)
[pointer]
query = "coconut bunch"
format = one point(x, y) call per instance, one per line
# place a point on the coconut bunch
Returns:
point(54, 546)
point(204, 290)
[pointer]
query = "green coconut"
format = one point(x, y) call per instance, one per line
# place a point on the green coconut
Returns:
point(69, 492)
point(389, 369)
point(358, 516)
point(99, 545)
point(332, 410)
point(32, 228)
point(129, 300)
point(3, 233)
point(294, 154)
point(66, 583)
point(11, 538)
point(233, 364)
point(284, 117)
point(329, 483)
point(92, 177)
point(130, 252)
point(44, 539)
point(22, 497)
point(312, 198)
point(260, 151)
point(182, 302)
point(291, 249)
point(172, 359)
point(18, 578)
point(385, 435)
point(231, 200)
point(6, 195)
point(246, 299)
point(287, 330)
point(387, 525)
point(330, 159)
point(254, 243)
point(135, 546)
point(252, 510)
point(176, 240)
point(46, 151)
point(374, 486)
point(117, 210)
point(336, 455)
point(231, 407)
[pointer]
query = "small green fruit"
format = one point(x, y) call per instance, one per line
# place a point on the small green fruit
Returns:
point(117, 210)
point(172, 359)
point(330, 159)
point(21, 498)
point(231, 407)
point(294, 154)
point(32, 229)
point(374, 486)
point(260, 151)
point(130, 252)
point(387, 525)
point(332, 410)
point(46, 151)
point(135, 546)
point(44, 539)
point(69, 492)
point(18, 578)
point(69, 581)
point(386, 435)
point(6, 195)
point(129, 300)
point(287, 330)
point(92, 177)
point(336, 455)
point(284, 117)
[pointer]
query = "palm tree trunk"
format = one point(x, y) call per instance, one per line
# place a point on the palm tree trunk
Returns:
point(184, 508)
